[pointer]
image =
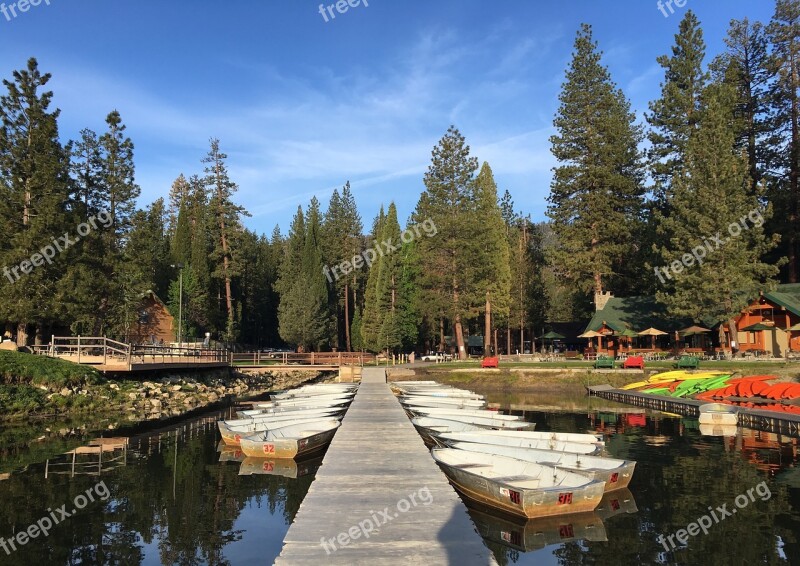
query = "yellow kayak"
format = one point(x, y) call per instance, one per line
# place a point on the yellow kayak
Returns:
point(636, 385)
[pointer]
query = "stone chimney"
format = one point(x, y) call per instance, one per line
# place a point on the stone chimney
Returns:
point(601, 299)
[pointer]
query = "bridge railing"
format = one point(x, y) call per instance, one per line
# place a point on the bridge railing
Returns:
point(99, 349)
point(297, 358)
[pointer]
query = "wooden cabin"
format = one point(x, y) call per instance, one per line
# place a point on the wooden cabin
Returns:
point(154, 324)
point(779, 310)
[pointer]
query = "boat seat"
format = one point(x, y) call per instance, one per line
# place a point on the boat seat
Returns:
point(511, 479)
point(465, 466)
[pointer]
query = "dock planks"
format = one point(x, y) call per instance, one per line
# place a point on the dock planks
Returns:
point(374, 466)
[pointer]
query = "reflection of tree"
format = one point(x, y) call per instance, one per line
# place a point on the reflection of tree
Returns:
point(186, 501)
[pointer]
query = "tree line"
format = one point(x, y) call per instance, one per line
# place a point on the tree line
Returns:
point(629, 202)
point(698, 205)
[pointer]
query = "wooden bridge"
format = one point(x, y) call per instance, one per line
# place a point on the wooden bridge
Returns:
point(110, 355)
point(378, 470)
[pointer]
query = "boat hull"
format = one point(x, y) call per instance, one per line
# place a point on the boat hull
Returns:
point(529, 503)
point(287, 447)
point(613, 478)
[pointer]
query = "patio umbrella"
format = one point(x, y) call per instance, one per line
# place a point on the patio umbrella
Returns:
point(794, 328)
point(553, 336)
point(590, 334)
point(652, 332)
point(692, 330)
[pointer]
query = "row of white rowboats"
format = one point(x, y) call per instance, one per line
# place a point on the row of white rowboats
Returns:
point(500, 461)
point(292, 424)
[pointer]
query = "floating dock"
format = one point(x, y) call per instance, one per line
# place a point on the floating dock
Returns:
point(379, 498)
point(769, 421)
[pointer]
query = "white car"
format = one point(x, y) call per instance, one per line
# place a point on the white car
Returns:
point(436, 357)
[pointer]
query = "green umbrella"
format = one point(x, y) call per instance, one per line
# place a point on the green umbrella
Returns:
point(757, 327)
point(553, 336)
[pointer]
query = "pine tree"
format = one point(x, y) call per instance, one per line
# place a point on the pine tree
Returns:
point(34, 208)
point(226, 231)
point(303, 312)
point(342, 238)
point(674, 116)
point(178, 196)
point(121, 188)
point(715, 175)
point(374, 294)
point(357, 341)
point(596, 196)
point(784, 34)
point(746, 65)
point(446, 269)
point(494, 273)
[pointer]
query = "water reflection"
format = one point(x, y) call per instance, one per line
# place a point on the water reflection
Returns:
point(526, 536)
point(681, 471)
point(174, 500)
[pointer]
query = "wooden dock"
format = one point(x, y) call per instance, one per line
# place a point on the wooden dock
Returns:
point(770, 421)
point(378, 470)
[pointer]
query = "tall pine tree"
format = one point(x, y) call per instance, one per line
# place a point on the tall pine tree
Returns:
point(596, 195)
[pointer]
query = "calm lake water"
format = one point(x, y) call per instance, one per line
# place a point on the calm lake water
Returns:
point(173, 498)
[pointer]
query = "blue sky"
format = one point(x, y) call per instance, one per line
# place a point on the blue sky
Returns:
point(302, 105)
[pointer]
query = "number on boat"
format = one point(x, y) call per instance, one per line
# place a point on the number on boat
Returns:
point(565, 498)
point(269, 449)
point(614, 477)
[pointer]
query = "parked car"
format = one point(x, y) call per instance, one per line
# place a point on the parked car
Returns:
point(436, 357)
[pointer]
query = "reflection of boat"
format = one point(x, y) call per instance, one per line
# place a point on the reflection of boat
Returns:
point(534, 534)
point(291, 441)
point(719, 414)
point(616, 503)
point(230, 453)
point(516, 487)
point(285, 467)
point(615, 474)
point(718, 429)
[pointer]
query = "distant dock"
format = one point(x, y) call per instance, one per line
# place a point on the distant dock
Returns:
point(769, 421)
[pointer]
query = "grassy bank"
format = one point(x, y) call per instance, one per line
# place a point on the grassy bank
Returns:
point(34, 384)
point(529, 377)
